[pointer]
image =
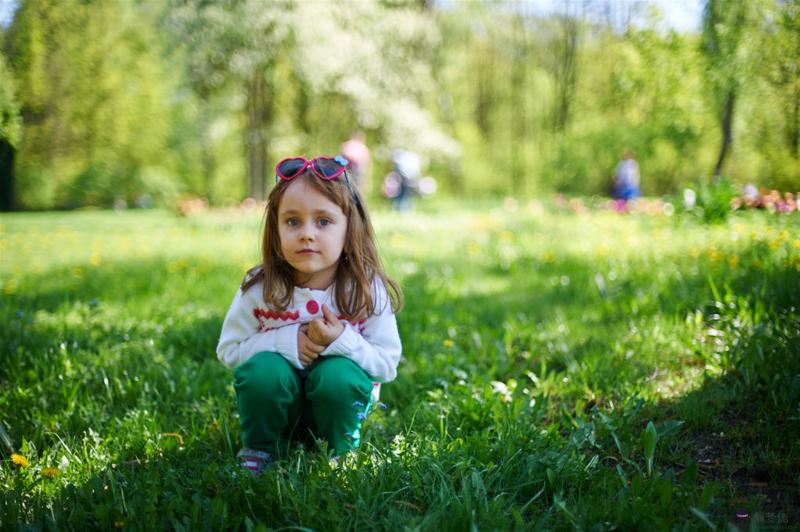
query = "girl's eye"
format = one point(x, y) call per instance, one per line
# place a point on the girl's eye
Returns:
point(324, 221)
point(294, 222)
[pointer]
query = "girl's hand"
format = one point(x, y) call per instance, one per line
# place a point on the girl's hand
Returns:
point(325, 330)
point(306, 348)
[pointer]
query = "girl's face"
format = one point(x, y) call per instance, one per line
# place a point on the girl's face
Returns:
point(312, 230)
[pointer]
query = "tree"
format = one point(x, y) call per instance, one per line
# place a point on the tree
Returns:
point(724, 25)
point(9, 136)
point(94, 105)
point(784, 67)
point(565, 67)
point(238, 42)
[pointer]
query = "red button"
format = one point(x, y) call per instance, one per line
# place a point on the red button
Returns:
point(312, 307)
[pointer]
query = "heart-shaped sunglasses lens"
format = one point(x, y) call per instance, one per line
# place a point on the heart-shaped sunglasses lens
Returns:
point(327, 168)
point(289, 168)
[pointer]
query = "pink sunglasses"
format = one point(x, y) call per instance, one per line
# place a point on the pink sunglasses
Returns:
point(326, 168)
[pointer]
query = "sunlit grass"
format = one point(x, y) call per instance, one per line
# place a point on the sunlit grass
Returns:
point(538, 344)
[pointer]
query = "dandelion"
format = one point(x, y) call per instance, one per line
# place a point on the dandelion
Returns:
point(50, 472)
point(449, 343)
point(733, 261)
point(10, 287)
point(19, 460)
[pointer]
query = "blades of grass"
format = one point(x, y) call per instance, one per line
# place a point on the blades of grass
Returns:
point(649, 440)
point(6, 439)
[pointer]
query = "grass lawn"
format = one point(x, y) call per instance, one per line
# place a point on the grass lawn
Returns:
point(591, 371)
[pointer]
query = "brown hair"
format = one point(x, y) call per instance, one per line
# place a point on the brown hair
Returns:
point(359, 264)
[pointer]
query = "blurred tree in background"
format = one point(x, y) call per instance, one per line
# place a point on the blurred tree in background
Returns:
point(141, 102)
point(9, 135)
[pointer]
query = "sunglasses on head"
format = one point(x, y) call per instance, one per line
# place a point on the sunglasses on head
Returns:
point(325, 168)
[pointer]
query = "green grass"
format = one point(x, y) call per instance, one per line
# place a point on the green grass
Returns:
point(560, 371)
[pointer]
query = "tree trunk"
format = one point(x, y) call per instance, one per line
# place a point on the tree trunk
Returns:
point(519, 118)
point(7, 202)
point(566, 71)
point(727, 131)
point(794, 126)
point(258, 120)
point(209, 163)
point(485, 78)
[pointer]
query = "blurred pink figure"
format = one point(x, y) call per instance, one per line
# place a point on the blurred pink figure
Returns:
point(357, 153)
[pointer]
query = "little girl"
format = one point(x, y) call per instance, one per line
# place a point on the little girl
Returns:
point(313, 325)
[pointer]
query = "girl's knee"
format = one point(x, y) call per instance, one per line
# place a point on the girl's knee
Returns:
point(338, 380)
point(263, 374)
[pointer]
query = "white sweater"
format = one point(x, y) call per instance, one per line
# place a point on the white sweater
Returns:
point(251, 327)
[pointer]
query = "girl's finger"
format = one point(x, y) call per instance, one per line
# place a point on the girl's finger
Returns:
point(330, 317)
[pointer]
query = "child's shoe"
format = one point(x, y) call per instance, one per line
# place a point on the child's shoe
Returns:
point(256, 462)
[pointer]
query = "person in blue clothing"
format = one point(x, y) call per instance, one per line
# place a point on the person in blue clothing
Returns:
point(626, 179)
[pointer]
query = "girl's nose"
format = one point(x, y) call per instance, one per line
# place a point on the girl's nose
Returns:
point(307, 232)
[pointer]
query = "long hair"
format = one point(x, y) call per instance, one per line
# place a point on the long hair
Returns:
point(359, 265)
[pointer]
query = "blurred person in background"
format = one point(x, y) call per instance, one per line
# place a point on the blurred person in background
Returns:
point(402, 183)
point(356, 152)
point(626, 180)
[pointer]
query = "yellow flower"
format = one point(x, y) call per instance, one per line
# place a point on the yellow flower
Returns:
point(733, 261)
point(473, 248)
point(50, 472)
point(10, 287)
point(449, 343)
point(19, 460)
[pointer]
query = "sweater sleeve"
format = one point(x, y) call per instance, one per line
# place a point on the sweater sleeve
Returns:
point(240, 339)
point(377, 348)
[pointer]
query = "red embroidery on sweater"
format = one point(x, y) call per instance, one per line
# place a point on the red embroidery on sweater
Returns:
point(274, 315)
point(262, 315)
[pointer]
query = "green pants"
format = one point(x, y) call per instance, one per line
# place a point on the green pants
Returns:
point(278, 403)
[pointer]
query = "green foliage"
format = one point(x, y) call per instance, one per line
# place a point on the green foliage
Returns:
point(156, 100)
point(9, 108)
point(560, 371)
point(713, 200)
point(95, 102)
